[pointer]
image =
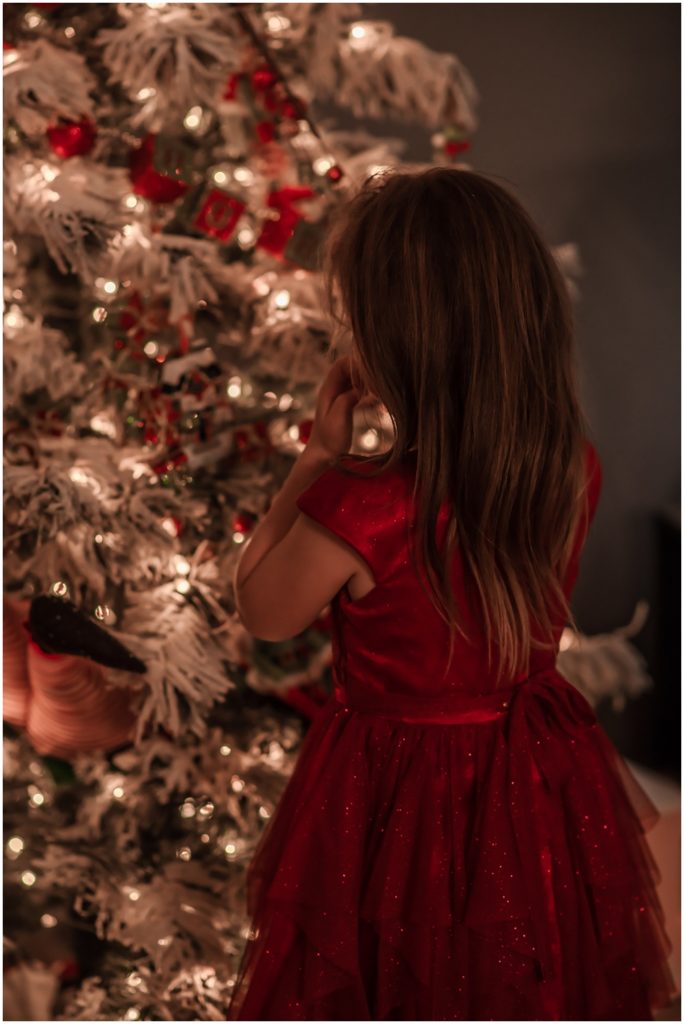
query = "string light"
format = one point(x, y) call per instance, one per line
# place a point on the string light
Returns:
point(146, 94)
point(285, 401)
point(323, 164)
point(184, 853)
point(234, 387)
point(48, 920)
point(151, 348)
point(237, 784)
point(70, 32)
point(49, 172)
point(28, 878)
point(225, 750)
point(15, 846)
point(101, 424)
point(187, 809)
point(181, 565)
point(99, 314)
point(278, 23)
point(370, 439)
point(244, 175)
point(132, 1013)
point(183, 586)
point(32, 19)
point(238, 537)
point(264, 812)
point(193, 118)
point(170, 526)
point(59, 589)
point(230, 849)
point(118, 792)
point(281, 299)
point(246, 238)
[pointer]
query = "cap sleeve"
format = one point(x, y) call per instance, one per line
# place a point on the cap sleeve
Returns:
point(345, 504)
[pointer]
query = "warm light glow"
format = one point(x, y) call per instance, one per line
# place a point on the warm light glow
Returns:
point(220, 177)
point(146, 94)
point(183, 586)
point(323, 164)
point(285, 401)
point(169, 526)
point(60, 589)
point(244, 175)
point(111, 287)
point(118, 792)
point(246, 238)
point(48, 920)
point(234, 387)
point(151, 348)
point(238, 537)
point(225, 750)
point(15, 844)
point(181, 565)
point(28, 878)
point(278, 23)
point(193, 118)
point(282, 299)
point(49, 172)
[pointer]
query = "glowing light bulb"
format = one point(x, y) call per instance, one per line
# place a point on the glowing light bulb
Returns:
point(146, 94)
point(130, 201)
point(181, 565)
point(234, 387)
point(220, 177)
point(48, 920)
point(246, 238)
point(28, 878)
point(118, 792)
point(323, 164)
point(278, 23)
point(238, 537)
point(225, 750)
point(59, 588)
point(183, 586)
point(49, 172)
point(184, 853)
point(193, 118)
point(99, 314)
point(231, 849)
point(244, 175)
point(370, 439)
point(282, 299)
point(237, 784)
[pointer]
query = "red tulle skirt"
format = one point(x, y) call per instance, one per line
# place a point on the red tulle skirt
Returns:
point(486, 864)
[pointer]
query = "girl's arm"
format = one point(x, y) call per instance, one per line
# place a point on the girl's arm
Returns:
point(291, 567)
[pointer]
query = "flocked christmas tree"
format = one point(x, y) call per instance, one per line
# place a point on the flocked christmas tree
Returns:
point(167, 186)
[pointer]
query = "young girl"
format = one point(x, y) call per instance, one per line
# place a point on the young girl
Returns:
point(459, 840)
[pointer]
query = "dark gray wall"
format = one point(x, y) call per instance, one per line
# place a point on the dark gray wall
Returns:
point(580, 113)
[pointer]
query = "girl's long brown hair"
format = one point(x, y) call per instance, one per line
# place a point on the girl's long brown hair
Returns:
point(462, 327)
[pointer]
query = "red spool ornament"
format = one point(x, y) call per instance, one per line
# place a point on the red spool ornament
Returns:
point(219, 214)
point(72, 138)
point(150, 183)
point(263, 78)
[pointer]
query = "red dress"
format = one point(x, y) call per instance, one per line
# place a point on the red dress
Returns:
point(443, 851)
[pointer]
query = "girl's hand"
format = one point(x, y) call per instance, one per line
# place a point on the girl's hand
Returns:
point(332, 429)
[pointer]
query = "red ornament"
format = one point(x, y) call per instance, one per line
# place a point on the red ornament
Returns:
point(305, 428)
point(276, 233)
point(292, 109)
point(72, 138)
point(263, 78)
point(243, 523)
point(149, 183)
point(265, 131)
point(452, 148)
point(219, 214)
point(271, 98)
point(334, 173)
point(232, 87)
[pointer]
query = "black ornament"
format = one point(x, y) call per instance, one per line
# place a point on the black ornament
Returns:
point(58, 627)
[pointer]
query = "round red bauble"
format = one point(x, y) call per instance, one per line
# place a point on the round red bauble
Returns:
point(147, 182)
point(265, 131)
point(292, 110)
point(263, 78)
point(305, 430)
point(243, 523)
point(452, 148)
point(72, 138)
point(335, 173)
